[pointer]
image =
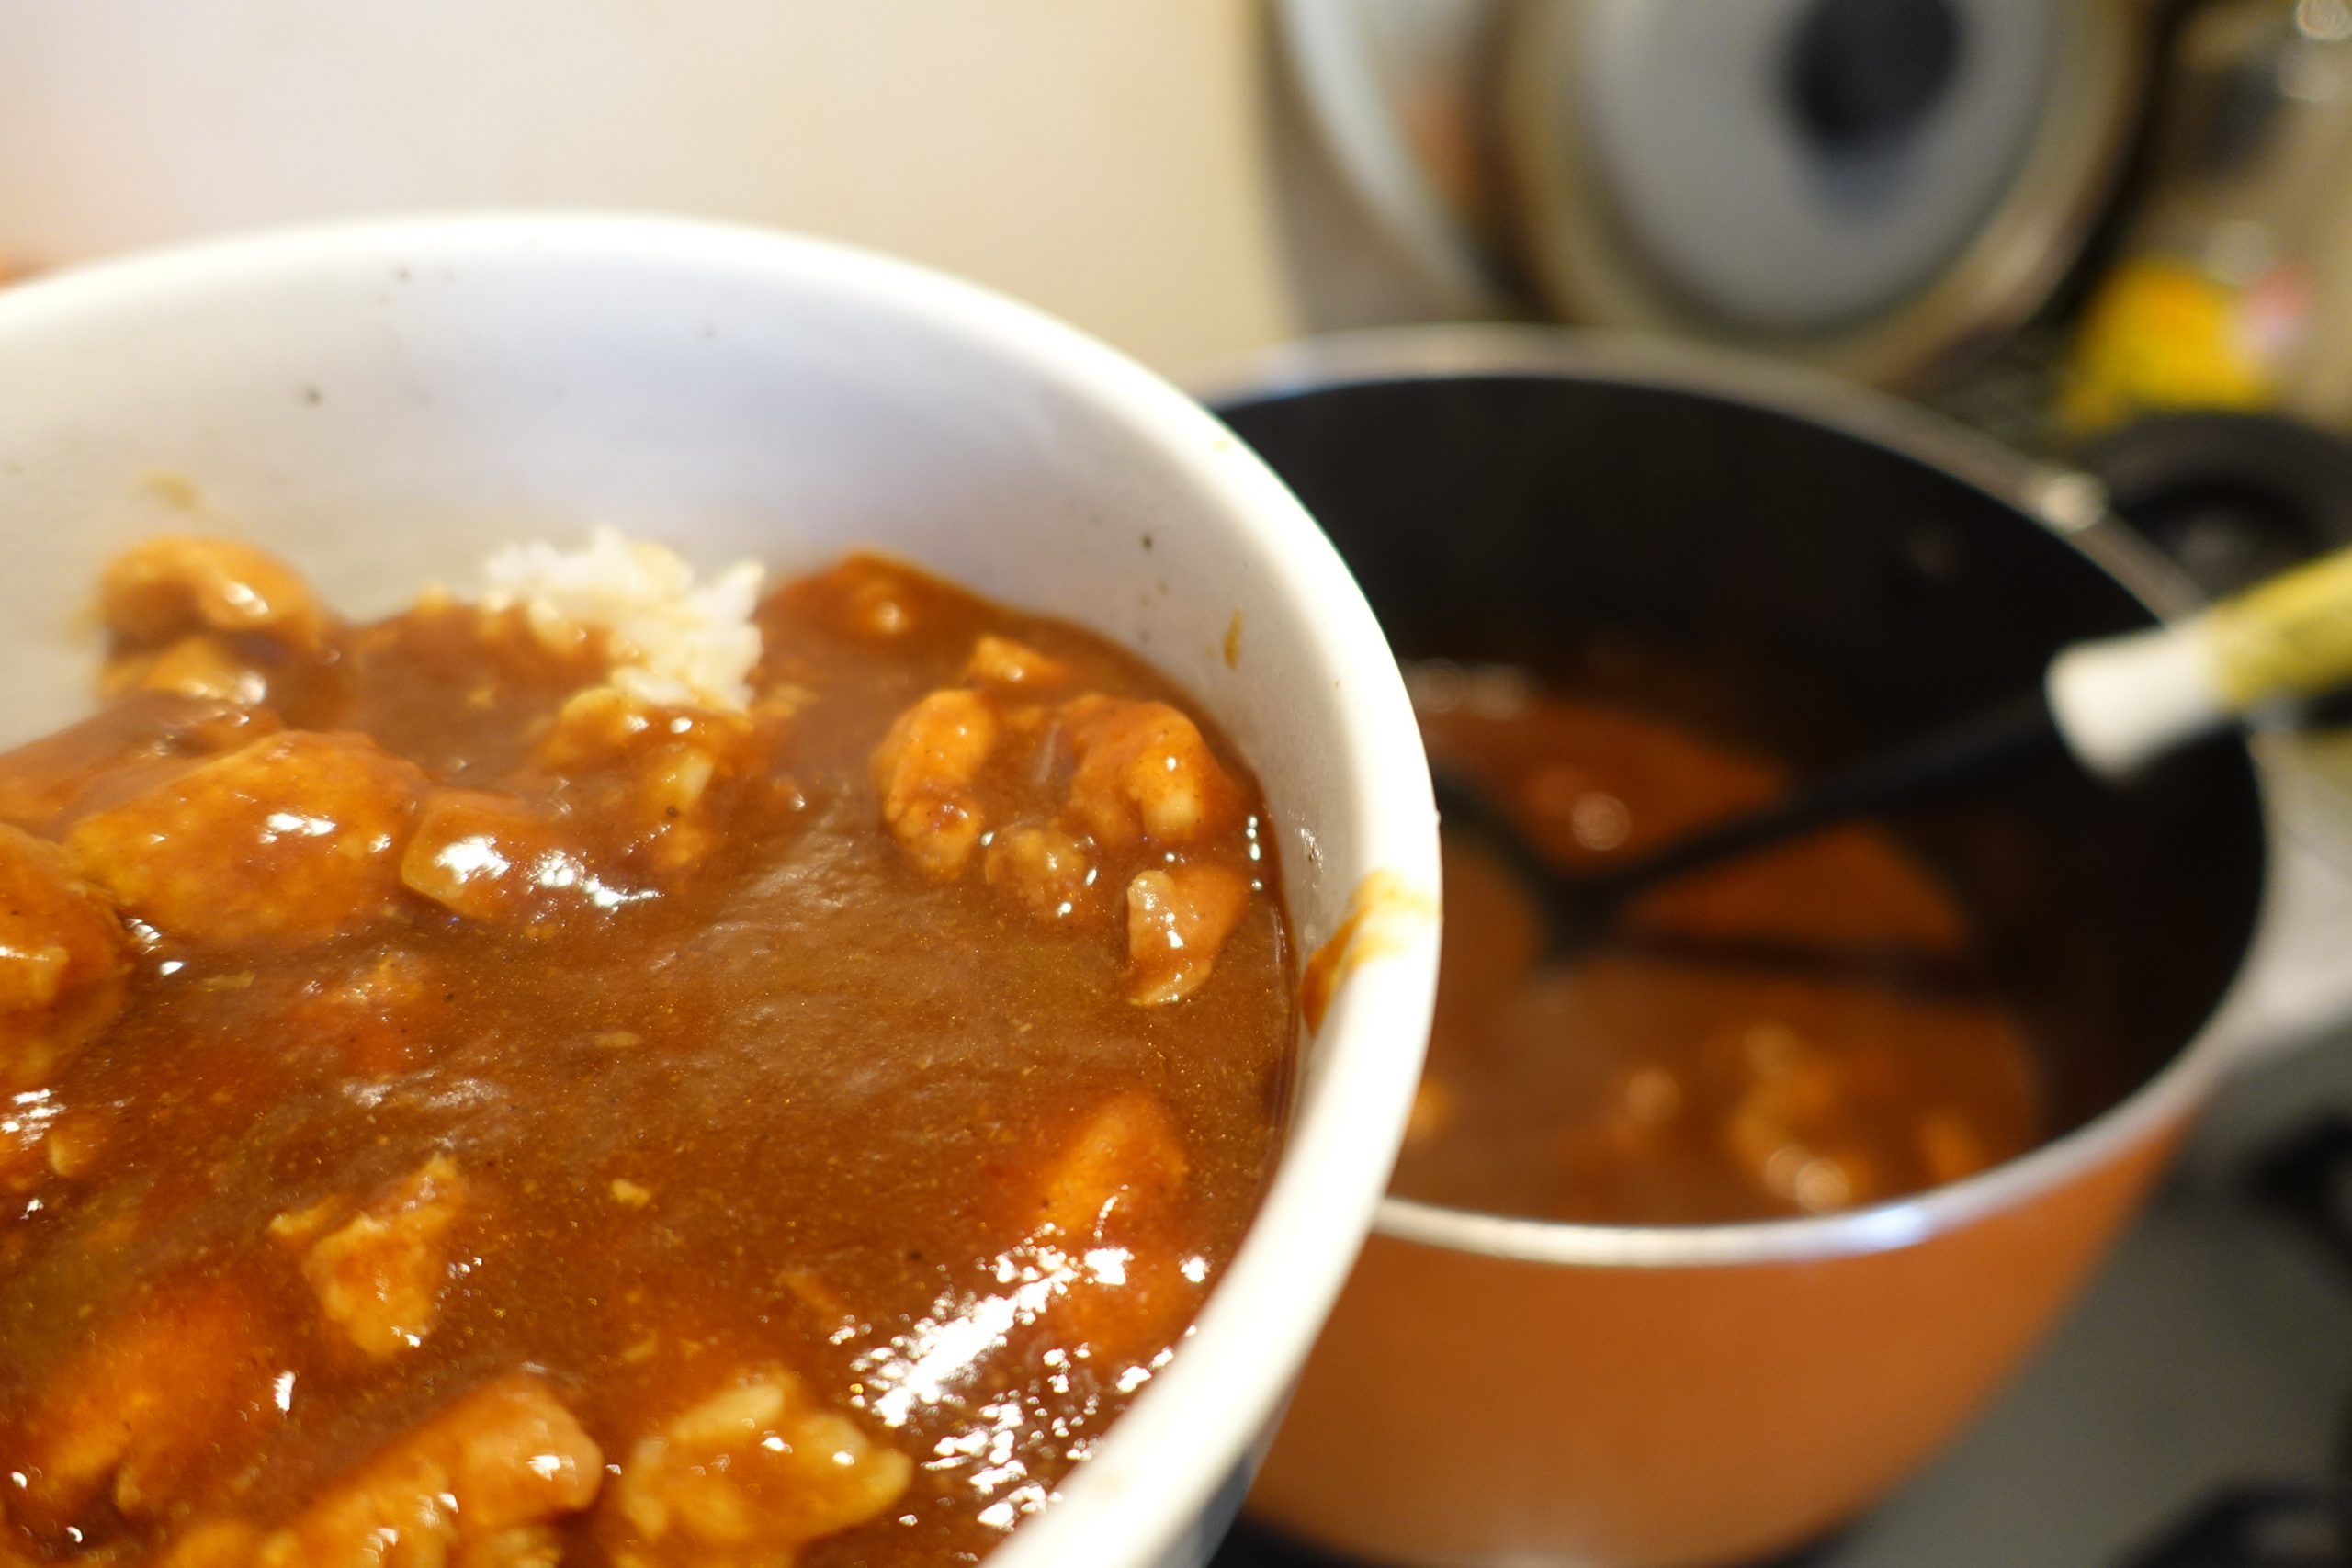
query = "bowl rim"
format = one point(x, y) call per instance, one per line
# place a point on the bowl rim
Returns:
point(2070, 504)
point(1151, 1474)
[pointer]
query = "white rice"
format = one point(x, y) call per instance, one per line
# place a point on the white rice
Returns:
point(675, 645)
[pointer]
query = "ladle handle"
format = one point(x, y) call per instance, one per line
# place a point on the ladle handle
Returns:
point(2122, 701)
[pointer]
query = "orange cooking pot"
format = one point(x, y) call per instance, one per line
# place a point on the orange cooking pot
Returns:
point(1496, 1391)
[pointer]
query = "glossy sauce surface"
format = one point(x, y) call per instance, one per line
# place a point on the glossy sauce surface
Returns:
point(548, 1126)
point(1800, 1032)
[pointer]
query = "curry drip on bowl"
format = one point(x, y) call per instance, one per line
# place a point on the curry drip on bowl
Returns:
point(1809, 1029)
point(473, 1092)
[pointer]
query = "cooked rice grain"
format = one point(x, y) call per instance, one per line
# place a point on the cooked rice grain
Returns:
point(674, 644)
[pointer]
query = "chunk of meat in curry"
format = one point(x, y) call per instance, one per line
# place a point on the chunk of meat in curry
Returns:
point(378, 1274)
point(124, 1413)
point(1146, 808)
point(476, 1485)
point(62, 959)
point(456, 1112)
point(176, 585)
point(924, 769)
point(1115, 1179)
point(745, 1477)
point(293, 839)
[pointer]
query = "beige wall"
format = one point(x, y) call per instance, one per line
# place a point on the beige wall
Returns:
point(1101, 158)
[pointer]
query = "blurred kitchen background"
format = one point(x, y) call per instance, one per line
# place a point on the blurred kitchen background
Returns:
point(2047, 218)
point(2116, 233)
point(2055, 214)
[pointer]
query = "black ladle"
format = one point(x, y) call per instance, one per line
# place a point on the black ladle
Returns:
point(1580, 906)
point(2112, 704)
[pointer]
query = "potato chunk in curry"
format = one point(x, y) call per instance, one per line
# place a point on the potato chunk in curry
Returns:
point(501, 860)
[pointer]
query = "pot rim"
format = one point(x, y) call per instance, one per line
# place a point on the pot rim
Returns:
point(2069, 503)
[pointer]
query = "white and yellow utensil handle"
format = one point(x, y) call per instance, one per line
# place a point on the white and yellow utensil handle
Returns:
point(2122, 702)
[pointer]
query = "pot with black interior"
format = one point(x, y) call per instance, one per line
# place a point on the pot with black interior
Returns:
point(1586, 1369)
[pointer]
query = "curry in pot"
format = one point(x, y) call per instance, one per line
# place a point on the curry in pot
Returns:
point(604, 1075)
point(1809, 1029)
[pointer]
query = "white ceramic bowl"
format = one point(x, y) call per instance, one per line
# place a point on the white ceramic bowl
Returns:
point(383, 402)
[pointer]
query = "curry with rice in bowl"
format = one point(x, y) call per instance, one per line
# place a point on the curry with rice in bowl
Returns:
point(612, 1070)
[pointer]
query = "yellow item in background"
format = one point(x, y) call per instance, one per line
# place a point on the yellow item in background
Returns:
point(2160, 334)
point(2234, 288)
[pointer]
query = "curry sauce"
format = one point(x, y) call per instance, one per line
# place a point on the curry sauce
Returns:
point(460, 1105)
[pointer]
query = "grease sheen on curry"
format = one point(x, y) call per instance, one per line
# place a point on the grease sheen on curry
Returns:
point(458, 1110)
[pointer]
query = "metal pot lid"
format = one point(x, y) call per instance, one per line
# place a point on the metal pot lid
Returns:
point(1873, 186)
point(1389, 86)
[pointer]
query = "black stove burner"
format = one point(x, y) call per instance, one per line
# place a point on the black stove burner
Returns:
point(2306, 1179)
point(2256, 1527)
point(1250, 1547)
